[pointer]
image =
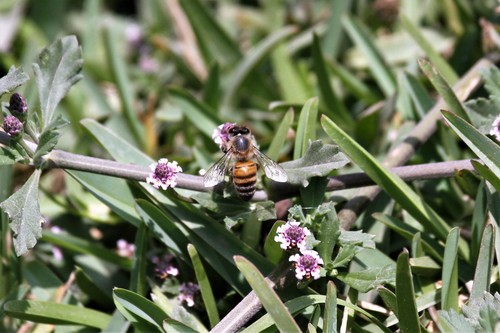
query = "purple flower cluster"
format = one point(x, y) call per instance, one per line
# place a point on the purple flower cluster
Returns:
point(221, 134)
point(13, 124)
point(293, 237)
point(164, 174)
point(495, 129)
point(187, 293)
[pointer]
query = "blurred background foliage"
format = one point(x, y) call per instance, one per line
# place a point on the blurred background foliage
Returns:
point(162, 74)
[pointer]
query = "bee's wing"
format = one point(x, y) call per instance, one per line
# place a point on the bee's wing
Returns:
point(272, 169)
point(216, 173)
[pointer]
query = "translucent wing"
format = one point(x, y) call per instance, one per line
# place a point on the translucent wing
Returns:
point(271, 168)
point(217, 171)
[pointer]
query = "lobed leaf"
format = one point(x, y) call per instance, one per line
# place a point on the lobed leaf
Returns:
point(58, 68)
point(318, 161)
point(23, 209)
point(14, 78)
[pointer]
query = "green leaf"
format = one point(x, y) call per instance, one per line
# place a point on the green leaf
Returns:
point(330, 313)
point(212, 89)
point(318, 161)
point(113, 192)
point(119, 71)
point(279, 139)
point(199, 114)
point(54, 313)
point(482, 276)
point(267, 296)
point(174, 326)
point(328, 233)
point(210, 34)
point(14, 78)
point(298, 304)
point(344, 257)
point(91, 289)
point(272, 249)
point(23, 209)
point(9, 155)
point(442, 87)
point(487, 150)
point(491, 76)
point(57, 69)
point(405, 295)
point(205, 287)
point(139, 310)
point(306, 127)
point(389, 299)
point(424, 266)
point(248, 64)
point(138, 274)
point(395, 186)
point(80, 245)
point(421, 99)
point(364, 41)
point(449, 294)
point(434, 56)
point(333, 106)
point(369, 279)
point(48, 139)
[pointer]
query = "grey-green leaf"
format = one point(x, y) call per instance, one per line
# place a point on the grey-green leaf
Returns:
point(57, 69)
point(14, 78)
point(318, 161)
point(23, 209)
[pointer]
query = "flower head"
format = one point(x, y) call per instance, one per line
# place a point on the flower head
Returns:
point(307, 264)
point(124, 248)
point(164, 267)
point(291, 235)
point(18, 106)
point(12, 126)
point(221, 135)
point(495, 128)
point(164, 174)
point(187, 293)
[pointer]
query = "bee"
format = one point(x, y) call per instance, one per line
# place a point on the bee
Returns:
point(239, 146)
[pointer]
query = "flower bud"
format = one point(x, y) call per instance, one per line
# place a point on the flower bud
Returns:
point(18, 106)
point(12, 126)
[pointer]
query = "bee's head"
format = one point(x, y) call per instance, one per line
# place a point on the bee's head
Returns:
point(238, 130)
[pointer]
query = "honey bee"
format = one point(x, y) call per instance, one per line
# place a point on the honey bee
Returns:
point(239, 146)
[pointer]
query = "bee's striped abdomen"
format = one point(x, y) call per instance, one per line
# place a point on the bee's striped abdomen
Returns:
point(245, 178)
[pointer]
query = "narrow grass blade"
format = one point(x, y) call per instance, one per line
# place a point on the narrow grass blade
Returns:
point(210, 33)
point(92, 290)
point(421, 99)
point(395, 186)
point(83, 246)
point(333, 35)
point(300, 303)
point(205, 287)
point(405, 295)
point(330, 314)
point(268, 297)
point(449, 296)
point(199, 114)
point(442, 87)
point(487, 174)
point(483, 147)
point(55, 313)
point(306, 127)
point(138, 274)
point(212, 88)
point(434, 57)
point(280, 137)
point(139, 310)
point(364, 41)
point(119, 71)
point(482, 275)
point(247, 64)
point(334, 107)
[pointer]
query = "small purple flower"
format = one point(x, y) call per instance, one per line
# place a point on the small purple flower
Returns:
point(12, 126)
point(18, 106)
point(495, 129)
point(291, 235)
point(147, 63)
point(164, 267)
point(187, 293)
point(124, 248)
point(56, 250)
point(221, 135)
point(307, 264)
point(164, 174)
